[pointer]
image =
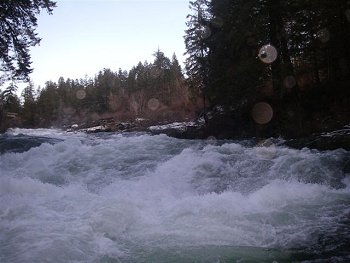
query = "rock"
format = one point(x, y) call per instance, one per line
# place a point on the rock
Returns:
point(324, 141)
point(124, 126)
point(95, 129)
point(181, 130)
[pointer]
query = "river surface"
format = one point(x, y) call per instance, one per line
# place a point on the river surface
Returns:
point(141, 198)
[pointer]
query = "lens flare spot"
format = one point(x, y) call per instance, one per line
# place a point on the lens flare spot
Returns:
point(262, 113)
point(323, 35)
point(211, 140)
point(268, 54)
point(289, 82)
point(80, 94)
point(153, 104)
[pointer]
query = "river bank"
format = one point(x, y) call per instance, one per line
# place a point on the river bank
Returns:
point(321, 141)
point(197, 129)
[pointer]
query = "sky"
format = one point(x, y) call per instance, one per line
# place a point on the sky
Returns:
point(82, 37)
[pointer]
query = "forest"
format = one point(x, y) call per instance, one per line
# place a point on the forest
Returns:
point(254, 68)
point(156, 91)
point(278, 68)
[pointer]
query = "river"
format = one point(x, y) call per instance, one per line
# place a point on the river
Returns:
point(140, 198)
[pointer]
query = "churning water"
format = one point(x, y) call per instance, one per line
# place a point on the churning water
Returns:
point(140, 198)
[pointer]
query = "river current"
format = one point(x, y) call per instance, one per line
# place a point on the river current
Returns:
point(140, 198)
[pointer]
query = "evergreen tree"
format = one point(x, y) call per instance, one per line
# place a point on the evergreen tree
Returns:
point(11, 102)
point(161, 62)
point(29, 105)
point(175, 68)
point(18, 23)
point(302, 45)
point(197, 34)
point(196, 47)
point(48, 103)
point(238, 28)
point(105, 83)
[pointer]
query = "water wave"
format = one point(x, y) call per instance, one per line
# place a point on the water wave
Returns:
point(141, 198)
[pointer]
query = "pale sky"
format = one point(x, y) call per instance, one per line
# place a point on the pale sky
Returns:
point(83, 37)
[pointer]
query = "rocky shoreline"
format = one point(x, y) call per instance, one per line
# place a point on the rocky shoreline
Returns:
point(339, 139)
point(198, 130)
point(324, 141)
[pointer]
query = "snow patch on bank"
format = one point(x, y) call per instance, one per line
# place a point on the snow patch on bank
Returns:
point(181, 126)
point(344, 131)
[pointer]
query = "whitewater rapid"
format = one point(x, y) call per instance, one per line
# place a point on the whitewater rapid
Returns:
point(142, 198)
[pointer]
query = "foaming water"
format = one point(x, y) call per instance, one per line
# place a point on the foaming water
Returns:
point(141, 198)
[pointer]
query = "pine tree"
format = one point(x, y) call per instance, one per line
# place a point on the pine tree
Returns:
point(18, 23)
point(238, 30)
point(175, 68)
point(10, 99)
point(48, 103)
point(197, 50)
point(29, 105)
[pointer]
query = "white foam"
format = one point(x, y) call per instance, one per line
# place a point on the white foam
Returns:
point(35, 132)
point(84, 199)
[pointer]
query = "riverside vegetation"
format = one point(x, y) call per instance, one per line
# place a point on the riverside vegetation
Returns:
point(254, 69)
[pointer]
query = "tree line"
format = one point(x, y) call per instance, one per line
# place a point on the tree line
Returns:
point(154, 90)
point(293, 55)
point(268, 67)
